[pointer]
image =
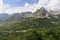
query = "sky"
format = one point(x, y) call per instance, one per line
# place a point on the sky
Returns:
point(19, 2)
point(14, 6)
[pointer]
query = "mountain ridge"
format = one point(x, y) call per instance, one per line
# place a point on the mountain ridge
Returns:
point(40, 13)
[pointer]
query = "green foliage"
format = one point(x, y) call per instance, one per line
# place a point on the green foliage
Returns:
point(34, 36)
point(30, 29)
point(28, 24)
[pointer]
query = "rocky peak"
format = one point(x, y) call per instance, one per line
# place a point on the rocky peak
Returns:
point(40, 13)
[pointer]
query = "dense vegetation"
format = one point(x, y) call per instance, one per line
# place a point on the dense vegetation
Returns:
point(37, 34)
point(31, 29)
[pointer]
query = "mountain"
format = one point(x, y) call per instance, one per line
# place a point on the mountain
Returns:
point(14, 16)
point(20, 15)
point(34, 25)
point(54, 12)
point(41, 13)
point(4, 17)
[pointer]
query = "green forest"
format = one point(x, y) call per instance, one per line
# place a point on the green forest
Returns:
point(30, 29)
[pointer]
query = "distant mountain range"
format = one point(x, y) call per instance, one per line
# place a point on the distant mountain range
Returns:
point(4, 17)
point(40, 13)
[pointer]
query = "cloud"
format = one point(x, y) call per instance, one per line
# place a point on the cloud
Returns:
point(25, 8)
point(1, 6)
point(48, 4)
point(52, 4)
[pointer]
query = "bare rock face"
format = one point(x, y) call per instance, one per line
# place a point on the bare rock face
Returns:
point(41, 13)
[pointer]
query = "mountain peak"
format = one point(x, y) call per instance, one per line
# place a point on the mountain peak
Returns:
point(40, 13)
point(42, 8)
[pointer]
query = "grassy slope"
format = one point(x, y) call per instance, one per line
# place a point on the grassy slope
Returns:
point(28, 24)
point(43, 27)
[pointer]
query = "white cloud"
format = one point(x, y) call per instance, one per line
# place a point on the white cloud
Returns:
point(52, 4)
point(48, 4)
point(1, 6)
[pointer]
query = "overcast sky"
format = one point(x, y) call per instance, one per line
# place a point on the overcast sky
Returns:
point(13, 6)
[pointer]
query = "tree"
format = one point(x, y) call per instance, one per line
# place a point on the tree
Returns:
point(34, 36)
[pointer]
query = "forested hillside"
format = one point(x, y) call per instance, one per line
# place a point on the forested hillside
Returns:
point(40, 25)
point(31, 29)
